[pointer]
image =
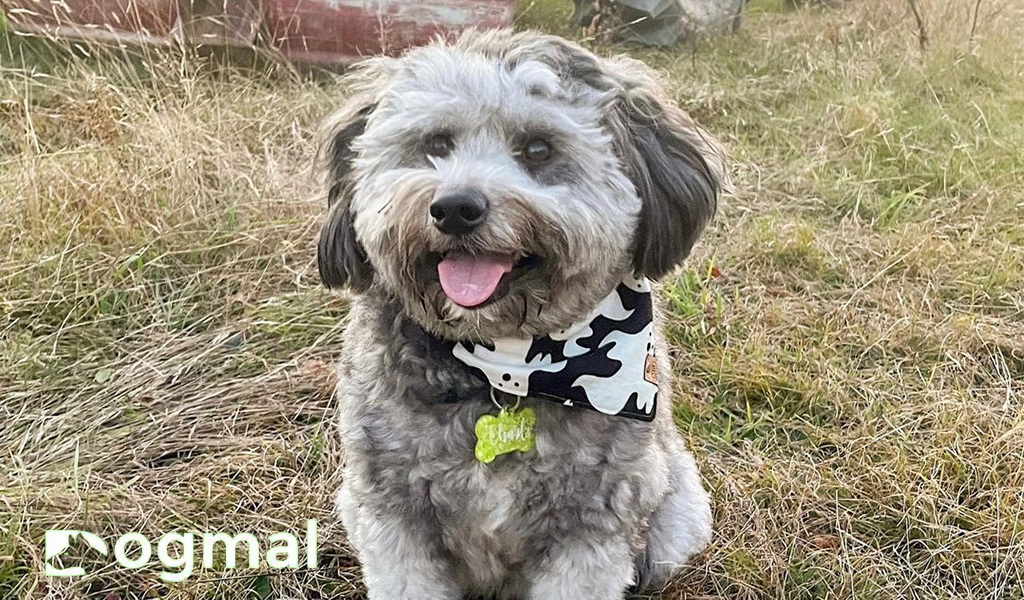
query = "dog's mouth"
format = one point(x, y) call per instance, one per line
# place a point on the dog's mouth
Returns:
point(473, 279)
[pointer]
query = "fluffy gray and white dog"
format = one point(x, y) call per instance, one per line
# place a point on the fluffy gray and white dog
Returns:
point(554, 174)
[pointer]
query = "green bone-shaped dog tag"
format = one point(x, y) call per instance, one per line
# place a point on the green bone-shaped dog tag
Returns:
point(511, 430)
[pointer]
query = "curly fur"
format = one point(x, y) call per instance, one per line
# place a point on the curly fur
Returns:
point(602, 503)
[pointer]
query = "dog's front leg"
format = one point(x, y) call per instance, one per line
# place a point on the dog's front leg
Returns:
point(399, 562)
point(584, 571)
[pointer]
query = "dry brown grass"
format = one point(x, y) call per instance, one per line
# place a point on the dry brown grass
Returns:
point(848, 338)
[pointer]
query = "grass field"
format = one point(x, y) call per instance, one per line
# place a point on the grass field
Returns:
point(848, 338)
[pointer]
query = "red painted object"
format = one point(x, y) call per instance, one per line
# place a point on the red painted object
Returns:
point(304, 31)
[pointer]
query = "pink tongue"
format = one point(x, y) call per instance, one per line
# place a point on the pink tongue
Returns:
point(470, 279)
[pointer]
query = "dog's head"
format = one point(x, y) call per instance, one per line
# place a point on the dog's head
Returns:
point(502, 184)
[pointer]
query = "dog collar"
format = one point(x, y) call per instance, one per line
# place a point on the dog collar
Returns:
point(605, 362)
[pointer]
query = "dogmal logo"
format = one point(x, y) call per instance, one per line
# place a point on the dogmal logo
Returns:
point(134, 551)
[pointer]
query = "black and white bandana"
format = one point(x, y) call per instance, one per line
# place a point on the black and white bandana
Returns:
point(606, 362)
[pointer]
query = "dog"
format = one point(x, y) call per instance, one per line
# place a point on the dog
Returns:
point(498, 204)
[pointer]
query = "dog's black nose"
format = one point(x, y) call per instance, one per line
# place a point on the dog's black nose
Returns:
point(459, 214)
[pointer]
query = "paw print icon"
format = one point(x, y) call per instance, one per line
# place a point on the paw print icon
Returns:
point(58, 540)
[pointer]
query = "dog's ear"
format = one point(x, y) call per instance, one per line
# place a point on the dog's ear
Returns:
point(676, 167)
point(341, 259)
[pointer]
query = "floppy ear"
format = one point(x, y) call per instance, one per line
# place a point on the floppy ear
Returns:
point(675, 165)
point(341, 259)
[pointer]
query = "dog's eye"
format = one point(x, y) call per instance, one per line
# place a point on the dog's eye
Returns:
point(536, 151)
point(439, 145)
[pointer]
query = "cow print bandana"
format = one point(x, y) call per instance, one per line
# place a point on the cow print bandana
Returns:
point(606, 362)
